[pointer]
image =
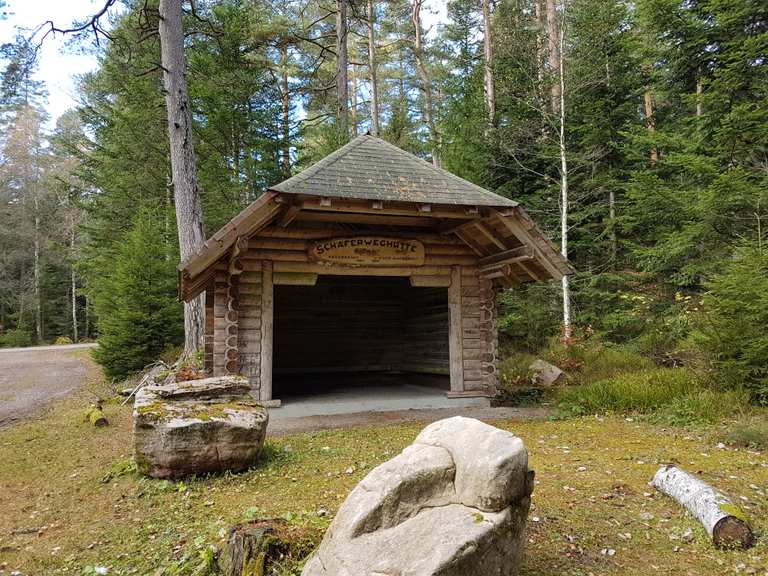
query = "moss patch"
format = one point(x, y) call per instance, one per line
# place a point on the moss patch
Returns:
point(591, 495)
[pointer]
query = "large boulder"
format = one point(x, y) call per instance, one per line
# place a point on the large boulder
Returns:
point(454, 503)
point(199, 426)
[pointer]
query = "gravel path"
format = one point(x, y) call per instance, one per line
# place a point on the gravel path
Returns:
point(30, 378)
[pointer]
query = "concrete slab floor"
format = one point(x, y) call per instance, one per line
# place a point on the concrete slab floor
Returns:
point(382, 397)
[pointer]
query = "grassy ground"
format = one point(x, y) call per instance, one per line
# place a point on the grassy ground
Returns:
point(70, 501)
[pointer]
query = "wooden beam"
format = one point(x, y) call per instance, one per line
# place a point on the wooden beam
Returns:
point(453, 228)
point(267, 321)
point(525, 238)
point(455, 336)
point(381, 219)
point(289, 215)
point(470, 241)
point(294, 279)
point(340, 270)
point(256, 216)
point(528, 270)
point(507, 257)
point(379, 207)
point(431, 281)
point(490, 236)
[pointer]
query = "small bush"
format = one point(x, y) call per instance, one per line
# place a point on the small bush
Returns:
point(62, 340)
point(748, 435)
point(514, 370)
point(702, 407)
point(590, 360)
point(736, 314)
point(17, 338)
point(639, 392)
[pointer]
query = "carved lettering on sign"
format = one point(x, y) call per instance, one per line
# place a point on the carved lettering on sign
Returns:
point(368, 251)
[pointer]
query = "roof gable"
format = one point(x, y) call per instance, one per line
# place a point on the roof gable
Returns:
point(370, 168)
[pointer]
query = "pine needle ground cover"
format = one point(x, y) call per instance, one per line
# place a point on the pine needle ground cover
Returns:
point(71, 501)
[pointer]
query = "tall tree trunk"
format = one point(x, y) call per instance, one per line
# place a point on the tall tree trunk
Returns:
point(541, 50)
point(373, 68)
point(426, 81)
point(612, 234)
point(554, 59)
point(354, 102)
point(73, 281)
point(699, 94)
point(38, 299)
point(490, 92)
point(342, 63)
point(286, 112)
point(189, 215)
point(650, 121)
point(567, 323)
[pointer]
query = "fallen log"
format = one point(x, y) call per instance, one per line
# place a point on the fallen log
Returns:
point(725, 523)
point(96, 417)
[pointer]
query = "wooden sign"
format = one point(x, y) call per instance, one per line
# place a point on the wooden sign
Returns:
point(368, 251)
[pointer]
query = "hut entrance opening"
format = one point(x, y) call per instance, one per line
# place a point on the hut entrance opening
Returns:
point(359, 331)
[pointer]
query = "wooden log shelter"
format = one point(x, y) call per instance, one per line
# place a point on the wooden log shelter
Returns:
point(371, 260)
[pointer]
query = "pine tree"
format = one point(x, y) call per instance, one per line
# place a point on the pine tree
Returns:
point(139, 313)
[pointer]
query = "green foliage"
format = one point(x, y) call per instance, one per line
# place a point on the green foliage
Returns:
point(589, 360)
point(752, 435)
point(139, 311)
point(16, 338)
point(641, 392)
point(702, 407)
point(733, 329)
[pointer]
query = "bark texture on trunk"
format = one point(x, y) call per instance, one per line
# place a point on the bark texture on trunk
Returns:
point(567, 323)
point(426, 80)
point(490, 92)
point(189, 215)
point(554, 58)
point(286, 111)
point(38, 300)
point(650, 120)
point(354, 102)
point(721, 518)
point(342, 88)
point(373, 68)
point(73, 282)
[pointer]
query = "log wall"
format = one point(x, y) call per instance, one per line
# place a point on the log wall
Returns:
point(446, 326)
point(341, 324)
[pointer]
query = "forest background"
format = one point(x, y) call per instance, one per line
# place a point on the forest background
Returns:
point(637, 131)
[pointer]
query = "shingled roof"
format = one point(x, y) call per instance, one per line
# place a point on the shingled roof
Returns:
point(372, 169)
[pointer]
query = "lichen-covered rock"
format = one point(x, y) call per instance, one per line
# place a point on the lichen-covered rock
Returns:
point(196, 427)
point(454, 503)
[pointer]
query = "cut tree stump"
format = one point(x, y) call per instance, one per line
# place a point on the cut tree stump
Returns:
point(722, 519)
point(253, 548)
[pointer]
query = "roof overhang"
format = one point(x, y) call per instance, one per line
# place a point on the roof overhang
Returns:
point(486, 229)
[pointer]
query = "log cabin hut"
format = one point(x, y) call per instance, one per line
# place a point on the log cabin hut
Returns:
point(370, 261)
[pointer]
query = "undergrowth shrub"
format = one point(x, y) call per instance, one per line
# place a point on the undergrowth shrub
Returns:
point(702, 407)
point(642, 392)
point(17, 338)
point(752, 435)
point(735, 319)
point(590, 360)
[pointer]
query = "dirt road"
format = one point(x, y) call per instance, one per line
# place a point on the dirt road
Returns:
point(32, 377)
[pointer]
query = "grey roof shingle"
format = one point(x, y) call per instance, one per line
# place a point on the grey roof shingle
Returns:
point(371, 169)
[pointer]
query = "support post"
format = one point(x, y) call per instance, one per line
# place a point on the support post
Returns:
point(455, 332)
point(267, 321)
